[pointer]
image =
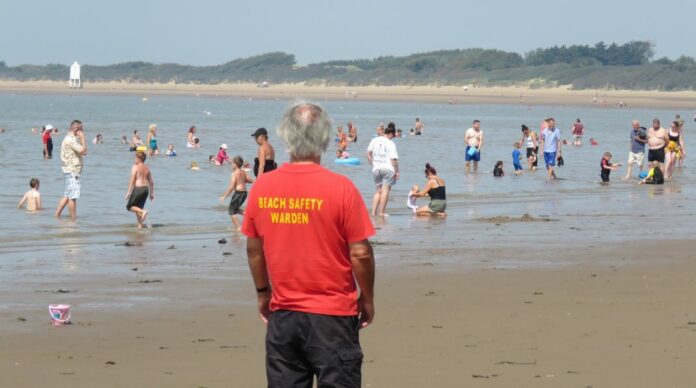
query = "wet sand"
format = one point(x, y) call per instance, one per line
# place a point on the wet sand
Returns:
point(561, 96)
point(615, 316)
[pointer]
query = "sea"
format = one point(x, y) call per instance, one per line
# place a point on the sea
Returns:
point(483, 211)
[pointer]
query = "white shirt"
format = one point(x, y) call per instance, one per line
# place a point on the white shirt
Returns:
point(383, 151)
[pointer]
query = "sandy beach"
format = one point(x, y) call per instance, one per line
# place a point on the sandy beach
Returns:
point(561, 96)
point(618, 317)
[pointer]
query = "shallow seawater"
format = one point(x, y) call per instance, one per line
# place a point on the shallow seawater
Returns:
point(186, 210)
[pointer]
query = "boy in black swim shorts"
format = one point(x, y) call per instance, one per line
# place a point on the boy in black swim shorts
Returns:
point(237, 188)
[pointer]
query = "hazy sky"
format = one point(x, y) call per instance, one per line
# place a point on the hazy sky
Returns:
point(205, 32)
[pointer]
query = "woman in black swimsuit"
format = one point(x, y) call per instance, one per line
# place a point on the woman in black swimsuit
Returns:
point(265, 160)
point(435, 189)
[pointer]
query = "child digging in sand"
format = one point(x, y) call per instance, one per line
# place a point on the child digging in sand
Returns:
point(32, 198)
point(237, 188)
point(140, 185)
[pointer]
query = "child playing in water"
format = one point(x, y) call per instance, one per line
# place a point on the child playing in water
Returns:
point(516, 159)
point(655, 175)
point(171, 152)
point(341, 154)
point(411, 201)
point(607, 166)
point(32, 197)
point(498, 169)
point(237, 188)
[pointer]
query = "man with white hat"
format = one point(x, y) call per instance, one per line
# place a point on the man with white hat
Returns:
point(222, 155)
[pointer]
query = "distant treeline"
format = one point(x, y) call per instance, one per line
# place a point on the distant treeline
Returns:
point(626, 66)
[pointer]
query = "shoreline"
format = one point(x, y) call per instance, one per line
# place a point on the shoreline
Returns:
point(441, 325)
point(561, 96)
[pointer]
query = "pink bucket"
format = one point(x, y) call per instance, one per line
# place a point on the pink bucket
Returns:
point(60, 314)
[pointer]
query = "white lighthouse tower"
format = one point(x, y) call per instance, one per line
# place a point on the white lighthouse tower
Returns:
point(75, 82)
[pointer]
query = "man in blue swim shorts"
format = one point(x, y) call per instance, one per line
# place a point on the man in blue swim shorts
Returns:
point(551, 140)
point(473, 138)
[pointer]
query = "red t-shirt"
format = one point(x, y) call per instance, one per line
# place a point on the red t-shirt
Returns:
point(46, 135)
point(577, 129)
point(307, 216)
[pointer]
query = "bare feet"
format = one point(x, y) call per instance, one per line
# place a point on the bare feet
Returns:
point(143, 217)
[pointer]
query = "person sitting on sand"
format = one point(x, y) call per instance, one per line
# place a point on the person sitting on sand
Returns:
point(411, 201)
point(655, 175)
point(498, 169)
point(435, 189)
point(140, 185)
point(32, 198)
point(237, 188)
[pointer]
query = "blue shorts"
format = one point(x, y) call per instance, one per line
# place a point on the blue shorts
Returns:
point(550, 159)
point(517, 165)
point(475, 158)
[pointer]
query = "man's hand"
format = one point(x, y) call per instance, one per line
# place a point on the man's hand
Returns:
point(264, 300)
point(366, 311)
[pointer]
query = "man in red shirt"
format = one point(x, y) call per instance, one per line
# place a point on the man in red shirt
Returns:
point(307, 246)
point(578, 130)
point(47, 141)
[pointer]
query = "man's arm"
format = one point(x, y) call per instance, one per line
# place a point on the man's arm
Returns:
point(480, 147)
point(230, 187)
point(151, 183)
point(22, 201)
point(395, 164)
point(363, 262)
point(369, 156)
point(131, 181)
point(259, 273)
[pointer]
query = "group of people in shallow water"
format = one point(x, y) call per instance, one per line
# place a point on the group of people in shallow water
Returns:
point(666, 151)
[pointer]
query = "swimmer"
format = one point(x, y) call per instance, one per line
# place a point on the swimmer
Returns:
point(171, 152)
point(498, 169)
point(194, 166)
point(99, 139)
point(222, 157)
point(342, 154)
point(32, 198)
point(411, 201)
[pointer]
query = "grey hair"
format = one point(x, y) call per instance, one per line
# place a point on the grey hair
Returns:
point(306, 130)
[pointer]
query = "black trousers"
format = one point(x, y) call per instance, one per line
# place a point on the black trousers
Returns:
point(301, 345)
